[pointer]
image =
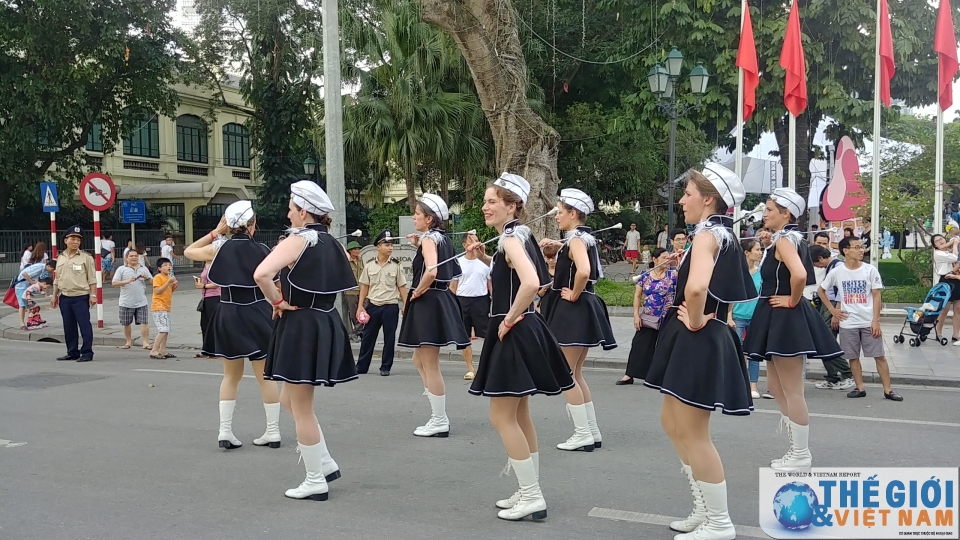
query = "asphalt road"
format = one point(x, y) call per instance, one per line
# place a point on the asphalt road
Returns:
point(108, 456)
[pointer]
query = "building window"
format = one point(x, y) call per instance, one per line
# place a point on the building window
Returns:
point(144, 137)
point(94, 140)
point(236, 146)
point(191, 139)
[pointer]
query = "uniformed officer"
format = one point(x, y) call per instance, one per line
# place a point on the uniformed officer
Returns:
point(75, 292)
point(382, 288)
point(353, 296)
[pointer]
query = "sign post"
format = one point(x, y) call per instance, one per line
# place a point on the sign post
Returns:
point(51, 205)
point(97, 192)
point(133, 212)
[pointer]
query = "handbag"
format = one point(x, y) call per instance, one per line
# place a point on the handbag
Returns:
point(649, 321)
point(10, 298)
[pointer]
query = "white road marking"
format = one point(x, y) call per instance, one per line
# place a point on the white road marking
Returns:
point(870, 419)
point(657, 519)
point(188, 372)
point(10, 444)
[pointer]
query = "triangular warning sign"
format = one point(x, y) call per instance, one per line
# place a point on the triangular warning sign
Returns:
point(49, 199)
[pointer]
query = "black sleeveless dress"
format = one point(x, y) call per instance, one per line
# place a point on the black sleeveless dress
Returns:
point(584, 323)
point(242, 323)
point(528, 360)
point(705, 369)
point(787, 332)
point(434, 320)
point(311, 345)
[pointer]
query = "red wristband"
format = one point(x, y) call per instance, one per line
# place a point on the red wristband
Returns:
point(213, 236)
point(278, 302)
point(509, 326)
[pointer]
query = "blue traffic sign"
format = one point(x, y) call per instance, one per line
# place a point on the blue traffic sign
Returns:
point(133, 212)
point(48, 197)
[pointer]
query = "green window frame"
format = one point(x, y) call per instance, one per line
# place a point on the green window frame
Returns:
point(236, 146)
point(191, 139)
point(144, 138)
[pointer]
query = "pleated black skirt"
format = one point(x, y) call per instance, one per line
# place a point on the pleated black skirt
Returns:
point(788, 332)
point(703, 369)
point(310, 346)
point(641, 352)
point(239, 331)
point(528, 361)
point(584, 323)
point(433, 320)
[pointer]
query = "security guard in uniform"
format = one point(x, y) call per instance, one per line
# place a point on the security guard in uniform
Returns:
point(382, 288)
point(75, 292)
point(353, 296)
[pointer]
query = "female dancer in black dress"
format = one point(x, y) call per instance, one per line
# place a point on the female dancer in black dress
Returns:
point(786, 328)
point(520, 356)
point(432, 316)
point(310, 346)
point(241, 326)
point(579, 317)
point(698, 363)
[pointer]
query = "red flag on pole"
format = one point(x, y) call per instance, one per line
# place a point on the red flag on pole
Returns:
point(791, 59)
point(945, 44)
point(887, 68)
point(747, 61)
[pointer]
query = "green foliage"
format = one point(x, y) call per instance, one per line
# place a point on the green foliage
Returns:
point(472, 218)
point(277, 47)
point(386, 217)
point(919, 262)
point(615, 293)
point(64, 67)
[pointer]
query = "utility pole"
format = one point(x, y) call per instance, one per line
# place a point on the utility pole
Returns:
point(333, 116)
point(333, 128)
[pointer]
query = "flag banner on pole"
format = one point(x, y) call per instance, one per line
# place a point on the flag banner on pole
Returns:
point(747, 61)
point(887, 69)
point(945, 45)
point(791, 59)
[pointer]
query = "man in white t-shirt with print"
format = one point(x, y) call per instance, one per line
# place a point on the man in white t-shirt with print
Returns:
point(632, 254)
point(859, 287)
point(473, 293)
point(166, 252)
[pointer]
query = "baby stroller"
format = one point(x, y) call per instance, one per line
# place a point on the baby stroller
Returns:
point(923, 319)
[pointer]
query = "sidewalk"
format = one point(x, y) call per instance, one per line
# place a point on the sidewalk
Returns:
point(929, 364)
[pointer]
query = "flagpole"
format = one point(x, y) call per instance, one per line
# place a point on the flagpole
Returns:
point(875, 184)
point(738, 167)
point(938, 176)
point(792, 163)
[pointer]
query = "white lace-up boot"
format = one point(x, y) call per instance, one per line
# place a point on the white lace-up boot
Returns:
point(314, 486)
point(509, 503)
point(271, 437)
point(439, 424)
point(784, 425)
point(329, 467)
point(717, 526)
point(799, 456)
point(699, 513)
point(582, 439)
point(592, 422)
point(531, 501)
point(226, 438)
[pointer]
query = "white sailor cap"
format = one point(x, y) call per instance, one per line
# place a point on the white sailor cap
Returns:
point(727, 183)
point(436, 204)
point(309, 196)
point(789, 199)
point(239, 214)
point(577, 199)
point(514, 183)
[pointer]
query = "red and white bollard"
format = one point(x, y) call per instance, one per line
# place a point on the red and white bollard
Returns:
point(96, 248)
point(53, 237)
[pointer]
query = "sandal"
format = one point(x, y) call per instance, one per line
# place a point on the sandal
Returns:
point(124, 347)
point(158, 357)
point(169, 356)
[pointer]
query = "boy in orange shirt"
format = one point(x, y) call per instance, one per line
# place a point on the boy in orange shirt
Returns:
point(164, 284)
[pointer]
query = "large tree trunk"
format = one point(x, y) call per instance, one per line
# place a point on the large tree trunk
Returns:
point(805, 134)
point(486, 33)
point(411, 192)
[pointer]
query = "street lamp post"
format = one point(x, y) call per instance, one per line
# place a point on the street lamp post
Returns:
point(663, 84)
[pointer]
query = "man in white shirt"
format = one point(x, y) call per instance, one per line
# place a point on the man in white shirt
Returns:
point(130, 278)
point(663, 237)
point(108, 256)
point(473, 293)
point(166, 251)
point(859, 287)
point(632, 254)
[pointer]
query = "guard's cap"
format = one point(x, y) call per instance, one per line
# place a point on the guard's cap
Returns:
point(74, 231)
point(384, 236)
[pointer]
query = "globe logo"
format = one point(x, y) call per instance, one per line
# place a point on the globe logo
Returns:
point(793, 505)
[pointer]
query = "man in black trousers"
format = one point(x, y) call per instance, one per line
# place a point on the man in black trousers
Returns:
point(383, 288)
point(75, 292)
